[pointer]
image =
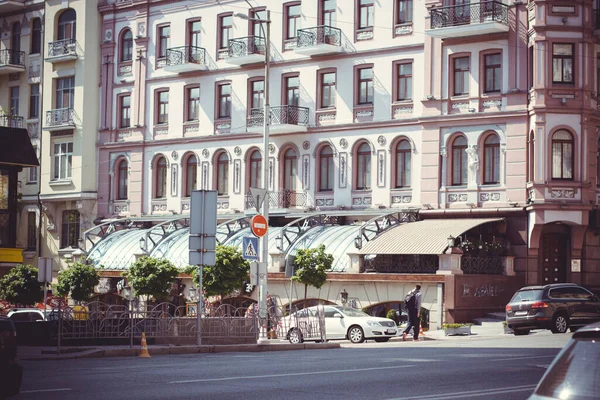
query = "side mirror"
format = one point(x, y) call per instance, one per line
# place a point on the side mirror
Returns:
point(338, 315)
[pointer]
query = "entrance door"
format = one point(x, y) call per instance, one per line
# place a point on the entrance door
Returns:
point(554, 258)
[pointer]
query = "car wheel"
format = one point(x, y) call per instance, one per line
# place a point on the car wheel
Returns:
point(295, 336)
point(382, 339)
point(520, 332)
point(560, 323)
point(356, 334)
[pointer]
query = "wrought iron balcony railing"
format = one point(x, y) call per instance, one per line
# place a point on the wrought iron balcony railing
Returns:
point(11, 121)
point(186, 54)
point(244, 46)
point(470, 13)
point(60, 117)
point(282, 199)
point(319, 35)
point(64, 47)
point(292, 115)
point(12, 57)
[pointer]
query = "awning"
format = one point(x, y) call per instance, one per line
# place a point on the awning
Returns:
point(16, 148)
point(422, 237)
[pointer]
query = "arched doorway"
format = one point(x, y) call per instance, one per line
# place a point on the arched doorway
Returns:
point(554, 253)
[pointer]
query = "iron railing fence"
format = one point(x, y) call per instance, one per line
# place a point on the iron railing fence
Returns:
point(280, 199)
point(186, 54)
point(11, 121)
point(469, 13)
point(323, 34)
point(64, 47)
point(12, 57)
point(280, 115)
point(61, 116)
point(248, 45)
point(482, 265)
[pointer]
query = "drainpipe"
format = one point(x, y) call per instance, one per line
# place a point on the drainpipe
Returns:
point(41, 118)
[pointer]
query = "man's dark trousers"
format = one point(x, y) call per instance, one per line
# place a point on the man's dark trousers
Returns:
point(413, 322)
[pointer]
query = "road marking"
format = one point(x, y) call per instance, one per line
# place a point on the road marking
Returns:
point(339, 371)
point(521, 358)
point(472, 393)
point(45, 390)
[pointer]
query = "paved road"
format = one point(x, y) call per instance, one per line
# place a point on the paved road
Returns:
point(504, 367)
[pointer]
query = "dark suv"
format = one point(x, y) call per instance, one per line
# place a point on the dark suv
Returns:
point(557, 307)
point(11, 369)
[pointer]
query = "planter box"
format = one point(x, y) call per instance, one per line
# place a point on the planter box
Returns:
point(463, 330)
point(507, 330)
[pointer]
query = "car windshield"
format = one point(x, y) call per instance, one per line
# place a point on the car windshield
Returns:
point(527, 295)
point(352, 312)
point(575, 374)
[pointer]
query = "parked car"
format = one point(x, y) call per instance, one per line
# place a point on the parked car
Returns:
point(26, 315)
point(558, 307)
point(574, 372)
point(340, 323)
point(11, 370)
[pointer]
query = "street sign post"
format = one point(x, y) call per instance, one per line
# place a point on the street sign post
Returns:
point(258, 225)
point(250, 248)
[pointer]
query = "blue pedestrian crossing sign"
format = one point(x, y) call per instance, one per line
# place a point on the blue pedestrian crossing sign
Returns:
point(250, 248)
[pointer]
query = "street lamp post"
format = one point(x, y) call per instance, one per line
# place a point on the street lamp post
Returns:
point(264, 251)
point(128, 294)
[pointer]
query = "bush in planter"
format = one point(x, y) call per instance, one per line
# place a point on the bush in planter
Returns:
point(393, 314)
point(455, 326)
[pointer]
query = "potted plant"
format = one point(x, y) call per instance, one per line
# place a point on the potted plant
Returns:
point(457, 329)
point(506, 328)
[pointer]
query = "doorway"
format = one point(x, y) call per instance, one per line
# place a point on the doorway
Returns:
point(554, 258)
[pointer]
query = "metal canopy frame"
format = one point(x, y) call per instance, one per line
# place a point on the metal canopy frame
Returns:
point(159, 232)
point(377, 225)
point(294, 230)
point(231, 227)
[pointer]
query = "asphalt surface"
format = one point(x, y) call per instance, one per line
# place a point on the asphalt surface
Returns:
point(492, 367)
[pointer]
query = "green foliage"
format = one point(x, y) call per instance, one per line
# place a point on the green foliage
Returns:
point(312, 265)
point(454, 326)
point(227, 275)
point(424, 314)
point(150, 276)
point(393, 315)
point(20, 286)
point(78, 281)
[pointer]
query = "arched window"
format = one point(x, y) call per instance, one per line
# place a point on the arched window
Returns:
point(223, 174)
point(122, 180)
point(160, 187)
point(491, 159)
point(562, 155)
point(403, 170)
point(15, 38)
point(460, 160)
point(66, 25)
point(290, 169)
point(126, 46)
point(255, 171)
point(191, 175)
point(326, 169)
point(363, 167)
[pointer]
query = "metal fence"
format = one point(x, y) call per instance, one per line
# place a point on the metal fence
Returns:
point(244, 46)
point(324, 34)
point(281, 199)
point(186, 54)
point(469, 13)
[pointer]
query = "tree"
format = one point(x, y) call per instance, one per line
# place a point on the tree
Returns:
point(150, 276)
point(228, 274)
point(20, 286)
point(78, 281)
point(312, 265)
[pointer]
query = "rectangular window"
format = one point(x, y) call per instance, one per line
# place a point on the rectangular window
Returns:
point(14, 100)
point(34, 100)
point(32, 176)
point(162, 100)
point(258, 94)
point(461, 76)
point(192, 100)
point(125, 111)
point(365, 86)
point(31, 231)
point(258, 28)
point(493, 72)
point(63, 160)
point(327, 82)
point(404, 11)
point(292, 87)
point(70, 229)
point(293, 18)
point(225, 31)
point(365, 14)
point(328, 12)
point(405, 84)
point(65, 92)
point(36, 36)
point(193, 34)
point(164, 40)
point(562, 63)
point(224, 96)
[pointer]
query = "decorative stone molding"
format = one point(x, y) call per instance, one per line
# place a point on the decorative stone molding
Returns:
point(161, 131)
point(125, 69)
point(191, 129)
point(122, 135)
point(223, 127)
point(457, 197)
point(272, 148)
point(563, 193)
point(159, 205)
point(401, 199)
point(381, 140)
point(325, 202)
point(306, 145)
point(361, 201)
point(343, 168)
point(343, 143)
point(460, 106)
point(491, 196)
point(237, 150)
point(33, 129)
point(403, 30)
point(365, 35)
point(492, 103)
point(205, 153)
point(326, 118)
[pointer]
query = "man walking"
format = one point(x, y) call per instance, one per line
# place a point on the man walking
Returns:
point(412, 302)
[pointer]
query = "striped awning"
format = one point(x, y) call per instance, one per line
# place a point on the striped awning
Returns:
point(422, 237)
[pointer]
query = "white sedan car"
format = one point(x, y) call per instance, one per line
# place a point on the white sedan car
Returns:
point(336, 323)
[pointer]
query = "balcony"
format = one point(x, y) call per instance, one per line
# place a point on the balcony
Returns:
point(246, 50)
point(280, 200)
point(60, 119)
point(62, 50)
point(11, 61)
point(284, 119)
point(469, 20)
point(186, 59)
point(319, 40)
point(11, 121)
point(11, 5)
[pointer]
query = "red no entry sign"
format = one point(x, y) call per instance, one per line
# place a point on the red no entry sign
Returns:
point(258, 225)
